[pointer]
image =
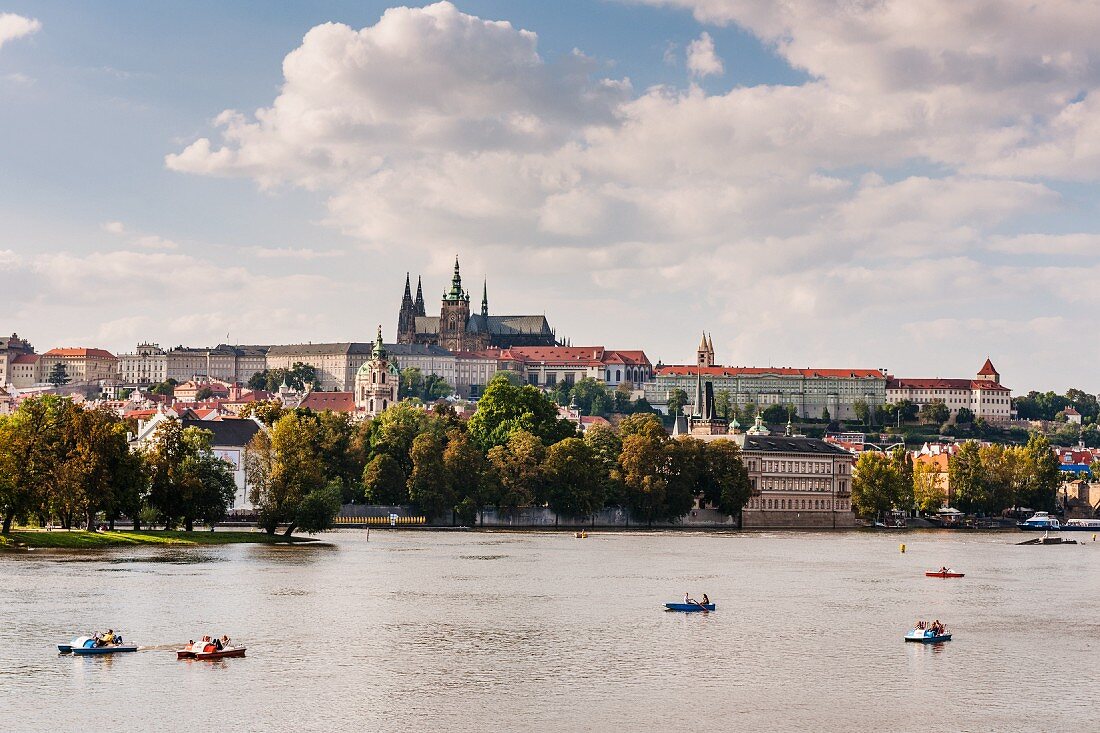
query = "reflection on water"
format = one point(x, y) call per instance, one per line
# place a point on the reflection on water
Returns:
point(422, 631)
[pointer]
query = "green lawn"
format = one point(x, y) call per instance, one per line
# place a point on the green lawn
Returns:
point(77, 540)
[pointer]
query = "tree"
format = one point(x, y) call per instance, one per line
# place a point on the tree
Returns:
point(203, 393)
point(429, 487)
point(464, 464)
point(384, 481)
point(575, 480)
point(591, 397)
point(319, 508)
point(934, 412)
point(505, 409)
point(964, 416)
point(188, 482)
point(516, 471)
point(411, 384)
point(31, 448)
point(876, 484)
point(677, 398)
point(968, 480)
point(928, 490)
point(644, 423)
point(59, 375)
point(861, 410)
point(684, 468)
point(394, 431)
point(642, 466)
point(726, 480)
point(435, 388)
point(606, 445)
point(776, 414)
point(284, 467)
point(722, 404)
point(99, 472)
point(165, 389)
point(825, 414)
point(903, 464)
point(1002, 471)
point(1039, 488)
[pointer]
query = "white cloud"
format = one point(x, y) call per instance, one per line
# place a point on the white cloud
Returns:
point(928, 135)
point(138, 239)
point(291, 253)
point(14, 26)
point(701, 58)
point(113, 227)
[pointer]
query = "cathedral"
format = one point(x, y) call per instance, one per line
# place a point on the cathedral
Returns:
point(457, 329)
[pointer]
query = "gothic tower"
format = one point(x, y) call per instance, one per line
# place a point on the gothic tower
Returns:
point(454, 315)
point(419, 298)
point(406, 320)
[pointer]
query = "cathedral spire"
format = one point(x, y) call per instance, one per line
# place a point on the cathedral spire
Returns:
point(485, 298)
point(419, 305)
point(408, 291)
point(456, 284)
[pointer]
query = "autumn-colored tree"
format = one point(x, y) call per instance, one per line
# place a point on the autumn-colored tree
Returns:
point(516, 471)
point(575, 478)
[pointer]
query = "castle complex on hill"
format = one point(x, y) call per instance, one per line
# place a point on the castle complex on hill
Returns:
point(457, 329)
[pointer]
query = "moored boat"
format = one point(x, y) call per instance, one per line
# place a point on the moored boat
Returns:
point(1082, 525)
point(689, 607)
point(1041, 522)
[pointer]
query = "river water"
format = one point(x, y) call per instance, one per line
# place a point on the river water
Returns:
point(440, 631)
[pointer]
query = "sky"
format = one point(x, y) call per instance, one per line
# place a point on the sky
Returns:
point(908, 185)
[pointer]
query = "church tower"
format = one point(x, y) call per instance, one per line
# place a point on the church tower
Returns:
point(376, 381)
point(454, 315)
point(704, 355)
point(406, 319)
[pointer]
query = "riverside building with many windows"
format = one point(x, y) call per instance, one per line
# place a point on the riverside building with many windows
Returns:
point(984, 395)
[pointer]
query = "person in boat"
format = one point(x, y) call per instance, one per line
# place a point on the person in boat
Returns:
point(706, 600)
point(945, 570)
point(217, 645)
point(109, 637)
point(224, 641)
point(920, 626)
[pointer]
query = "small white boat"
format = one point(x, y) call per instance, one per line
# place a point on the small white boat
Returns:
point(1082, 525)
point(1040, 522)
point(927, 636)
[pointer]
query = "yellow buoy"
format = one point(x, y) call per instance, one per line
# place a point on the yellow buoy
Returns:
point(902, 548)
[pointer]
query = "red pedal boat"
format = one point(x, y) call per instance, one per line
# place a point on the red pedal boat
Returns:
point(208, 650)
point(944, 574)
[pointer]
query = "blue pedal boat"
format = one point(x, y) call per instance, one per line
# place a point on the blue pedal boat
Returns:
point(689, 607)
point(925, 636)
point(86, 646)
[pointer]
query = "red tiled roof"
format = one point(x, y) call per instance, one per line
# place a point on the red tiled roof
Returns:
point(988, 370)
point(26, 359)
point(97, 353)
point(333, 401)
point(964, 384)
point(721, 371)
point(561, 354)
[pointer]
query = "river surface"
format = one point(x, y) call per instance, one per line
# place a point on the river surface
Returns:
point(442, 631)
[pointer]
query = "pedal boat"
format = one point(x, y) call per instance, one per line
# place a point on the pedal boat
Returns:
point(209, 651)
point(689, 607)
point(925, 636)
point(85, 645)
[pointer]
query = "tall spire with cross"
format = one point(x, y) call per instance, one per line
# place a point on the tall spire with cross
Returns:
point(485, 298)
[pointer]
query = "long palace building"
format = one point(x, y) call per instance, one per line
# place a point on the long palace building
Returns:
point(810, 391)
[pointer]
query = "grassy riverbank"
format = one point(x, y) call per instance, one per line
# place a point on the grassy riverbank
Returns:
point(80, 540)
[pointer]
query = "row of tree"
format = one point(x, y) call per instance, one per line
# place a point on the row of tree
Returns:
point(60, 461)
point(982, 479)
point(513, 452)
